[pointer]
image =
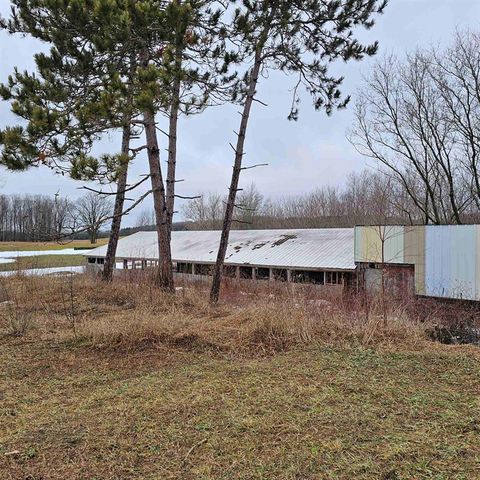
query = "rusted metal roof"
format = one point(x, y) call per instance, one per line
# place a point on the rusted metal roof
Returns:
point(329, 248)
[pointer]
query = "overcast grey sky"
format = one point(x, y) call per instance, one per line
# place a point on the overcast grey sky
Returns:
point(302, 155)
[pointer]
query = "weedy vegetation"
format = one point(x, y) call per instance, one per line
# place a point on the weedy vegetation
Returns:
point(123, 381)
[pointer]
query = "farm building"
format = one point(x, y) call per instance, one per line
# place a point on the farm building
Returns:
point(431, 260)
point(320, 256)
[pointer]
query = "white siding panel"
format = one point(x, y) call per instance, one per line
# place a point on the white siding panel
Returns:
point(359, 234)
point(463, 264)
point(477, 262)
point(435, 268)
point(450, 257)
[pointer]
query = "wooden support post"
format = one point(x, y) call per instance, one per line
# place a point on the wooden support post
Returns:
point(237, 273)
point(270, 275)
point(289, 276)
point(254, 274)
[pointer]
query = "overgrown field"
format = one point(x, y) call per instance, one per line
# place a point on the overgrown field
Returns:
point(122, 382)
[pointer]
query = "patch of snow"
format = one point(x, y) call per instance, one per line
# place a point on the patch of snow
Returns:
point(44, 271)
point(7, 260)
point(35, 253)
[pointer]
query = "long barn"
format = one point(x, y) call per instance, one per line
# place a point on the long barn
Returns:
point(320, 256)
point(441, 261)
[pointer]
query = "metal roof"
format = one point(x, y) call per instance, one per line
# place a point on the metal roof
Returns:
point(328, 248)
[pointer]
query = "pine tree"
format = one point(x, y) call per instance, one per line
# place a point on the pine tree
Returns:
point(114, 64)
point(193, 73)
point(79, 91)
point(299, 38)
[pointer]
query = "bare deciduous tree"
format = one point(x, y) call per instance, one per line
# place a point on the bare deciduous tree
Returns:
point(34, 217)
point(368, 197)
point(146, 218)
point(205, 211)
point(91, 210)
point(248, 206)
point(62, 214)
point(420, 118)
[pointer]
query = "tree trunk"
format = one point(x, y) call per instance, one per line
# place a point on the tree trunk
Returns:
point(165, 272)
point(109, 265)
point(172, 144)
point(237, 168)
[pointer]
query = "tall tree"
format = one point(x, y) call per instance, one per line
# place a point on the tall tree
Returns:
point(418, 117)
point(193, 74)
point(91, 210)
point(300, 38)
point(62, 213)
point(77, 93)
point(127, 61)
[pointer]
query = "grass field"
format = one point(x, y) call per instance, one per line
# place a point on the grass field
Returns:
point(148, 386)
point(14, 246)
point(317, 413)
point(43, 261)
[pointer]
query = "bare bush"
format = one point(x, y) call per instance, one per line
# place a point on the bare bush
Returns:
point(68, 300)
point(16, 318)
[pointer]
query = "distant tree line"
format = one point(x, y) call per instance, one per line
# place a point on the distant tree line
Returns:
point(36, 218)
point(32, 217)
point(368, 197)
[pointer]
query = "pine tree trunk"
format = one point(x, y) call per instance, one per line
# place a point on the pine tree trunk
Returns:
point(239, 152)
point(165, 272)
point(237, 168)
point(109, 265)
point(172, 144)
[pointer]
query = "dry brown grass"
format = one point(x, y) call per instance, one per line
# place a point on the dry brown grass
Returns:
point(123, 382)
point(14, 246)
point(253, 319)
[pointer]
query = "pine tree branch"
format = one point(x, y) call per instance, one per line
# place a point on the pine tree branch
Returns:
point(254, 166)
point(100, 192)
point(187, 198)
